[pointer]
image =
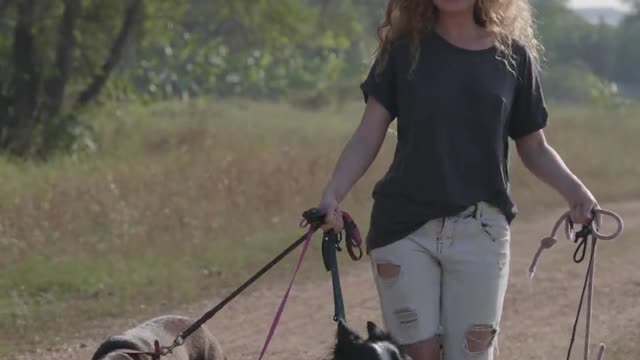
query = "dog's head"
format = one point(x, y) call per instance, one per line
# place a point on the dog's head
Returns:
point(378, 346)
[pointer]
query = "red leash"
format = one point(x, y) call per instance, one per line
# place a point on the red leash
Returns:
point(353, 240)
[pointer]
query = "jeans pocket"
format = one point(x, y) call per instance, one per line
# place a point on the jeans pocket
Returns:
point(495, 226)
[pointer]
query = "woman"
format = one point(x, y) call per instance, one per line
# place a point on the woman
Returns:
point(461, 78)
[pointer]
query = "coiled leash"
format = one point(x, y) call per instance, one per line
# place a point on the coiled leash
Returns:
point(582, 239)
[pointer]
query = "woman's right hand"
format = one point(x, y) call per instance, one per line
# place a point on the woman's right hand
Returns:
point(333, 217)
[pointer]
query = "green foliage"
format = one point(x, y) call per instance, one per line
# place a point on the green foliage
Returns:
point(260, 49)
point(311, 52)
point(251, 48)
point(583, 59)
point(628, 56)
point(57, 57)
point(561, 30)
point(568, 82)
point(304, 50)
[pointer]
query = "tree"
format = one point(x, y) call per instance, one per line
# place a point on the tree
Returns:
point(252, 48)
point(47, 49)
point(598, 49)
point(634, 4)
point(628, 53)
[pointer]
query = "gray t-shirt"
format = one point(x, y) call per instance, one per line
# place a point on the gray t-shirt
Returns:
point(455, 116)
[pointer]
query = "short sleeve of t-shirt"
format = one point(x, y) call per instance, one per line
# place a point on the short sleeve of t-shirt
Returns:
point(529, 111)
point(382, 85)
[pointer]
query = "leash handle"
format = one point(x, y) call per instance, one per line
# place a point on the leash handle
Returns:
point(614, 235)
point(353, 237)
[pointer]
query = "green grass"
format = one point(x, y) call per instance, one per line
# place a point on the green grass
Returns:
point(181, 199)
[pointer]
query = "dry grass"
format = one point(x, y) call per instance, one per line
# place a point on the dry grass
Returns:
point(183, 198)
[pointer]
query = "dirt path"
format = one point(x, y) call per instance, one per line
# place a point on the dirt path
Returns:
point(537, 321)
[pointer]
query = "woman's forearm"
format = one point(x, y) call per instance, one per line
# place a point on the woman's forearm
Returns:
point(356, 158)
point(545, 163)
point(359, 153)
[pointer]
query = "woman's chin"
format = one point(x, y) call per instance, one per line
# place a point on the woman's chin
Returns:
point(454, 6)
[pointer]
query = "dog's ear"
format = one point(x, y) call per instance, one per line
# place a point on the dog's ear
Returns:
point(375, 333)
point(346, 335)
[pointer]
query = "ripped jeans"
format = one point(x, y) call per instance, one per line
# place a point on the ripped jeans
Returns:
point(447, 280)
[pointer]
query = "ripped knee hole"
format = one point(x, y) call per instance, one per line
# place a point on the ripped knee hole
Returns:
point(388, 271)
point(479, 338)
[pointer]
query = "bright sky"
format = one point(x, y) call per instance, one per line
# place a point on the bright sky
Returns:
point(599, 3)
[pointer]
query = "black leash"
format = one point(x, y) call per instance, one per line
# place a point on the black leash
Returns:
point(310, 217)
point(330, 247)
point(314, 218)
point(581, 238)
point(209, 314)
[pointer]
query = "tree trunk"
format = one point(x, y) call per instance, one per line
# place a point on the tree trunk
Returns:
point(54, 86)
point(4, 4)
point(54, 126)
point(99, 79)
point(25, 85)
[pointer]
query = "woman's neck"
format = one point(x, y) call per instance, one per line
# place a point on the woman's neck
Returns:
point(461, 29)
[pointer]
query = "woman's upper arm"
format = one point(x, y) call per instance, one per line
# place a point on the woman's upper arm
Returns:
point(531, 143)
point(375, 120)
point(529, 110)
point(381, 84)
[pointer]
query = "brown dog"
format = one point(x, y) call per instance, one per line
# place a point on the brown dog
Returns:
point(201, 345)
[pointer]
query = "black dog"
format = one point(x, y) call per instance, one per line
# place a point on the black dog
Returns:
point(378, 346)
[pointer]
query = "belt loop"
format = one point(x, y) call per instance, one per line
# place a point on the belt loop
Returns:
point(475, 211)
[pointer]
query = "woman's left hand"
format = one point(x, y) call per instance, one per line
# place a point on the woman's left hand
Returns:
point(582, 204)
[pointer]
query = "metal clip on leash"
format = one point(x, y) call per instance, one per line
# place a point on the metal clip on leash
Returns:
point(581, 238)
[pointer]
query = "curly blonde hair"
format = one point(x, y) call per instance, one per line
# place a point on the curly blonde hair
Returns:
point(506, 20)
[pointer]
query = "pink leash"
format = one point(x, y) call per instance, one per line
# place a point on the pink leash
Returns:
point(353, 241)
point(276, 320)
point(159, 352)
point(313, 218)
